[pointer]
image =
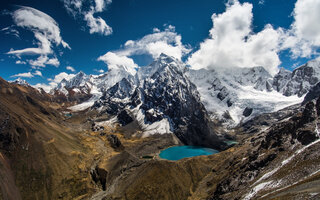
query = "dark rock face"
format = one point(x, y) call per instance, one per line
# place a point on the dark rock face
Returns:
point(9, 137)
point(99, 176)
point(222, 94)
point(299, 127)
point(114, 142)
point(312, 94)
point(247, 111)
point(112, 100)
point(124, 118)
point(95, 127)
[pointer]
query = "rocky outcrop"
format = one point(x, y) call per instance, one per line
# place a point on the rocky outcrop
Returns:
point(99, 176)
point(299, 81)
point(247, 111)
point(115, 142)
point(312, 94)
point(124, 118)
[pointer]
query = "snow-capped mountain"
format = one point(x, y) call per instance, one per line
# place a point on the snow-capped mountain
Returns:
point(20, 81)
point(90, 87)
point(163, 100)
point(238, 94)
point(230, 96)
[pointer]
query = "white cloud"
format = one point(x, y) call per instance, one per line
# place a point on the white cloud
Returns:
point(37, 73)
point(304, 36)
point(45, 30)
point(99, 70)
point(70, 68)
point(63, 75)
point(167, 41)
point(88, 12)
point(101, 4)
point(43, 60)
point(10, 30)
point(45, 87)
point(53, 61)
point(115, 61)
point(19, 62)
point(97, 24)
point(232, 42)
point(25, 75)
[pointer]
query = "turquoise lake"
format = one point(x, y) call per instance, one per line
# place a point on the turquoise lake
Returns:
point(179, 152)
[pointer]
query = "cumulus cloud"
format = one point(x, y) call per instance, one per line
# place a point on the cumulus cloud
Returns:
point(232, 42)
point(45, 30)
point(37, 73)
point(25, 75)
point(87, 10)
point(55, 81)
point(63, 75)
point(44, 60)
point(304, 36)
point(19, 62)
point(97, 24)
point(167, 41)
point(115, 61)
point(70, 68)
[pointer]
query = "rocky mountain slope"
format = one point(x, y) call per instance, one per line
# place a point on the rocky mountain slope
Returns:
point(299, 81)
point(163, 101)
point(35, 147)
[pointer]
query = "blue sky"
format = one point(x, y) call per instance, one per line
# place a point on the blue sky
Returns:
point(177, 27)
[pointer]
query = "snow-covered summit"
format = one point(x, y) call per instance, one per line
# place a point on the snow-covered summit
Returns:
point(236, 95)
point(20, 81)
point(158, 65)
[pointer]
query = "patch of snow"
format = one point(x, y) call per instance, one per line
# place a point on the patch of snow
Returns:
point(279, 189)
point(76, 90)
point(286, 161)
point(160, 127)
point(87, 104)
point(256, 189)
point(109, 122)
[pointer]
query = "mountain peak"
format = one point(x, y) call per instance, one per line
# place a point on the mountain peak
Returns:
point(166, 58)
point(80, 74)
point(20, 81)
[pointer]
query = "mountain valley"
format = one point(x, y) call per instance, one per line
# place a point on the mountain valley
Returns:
point(99, 136)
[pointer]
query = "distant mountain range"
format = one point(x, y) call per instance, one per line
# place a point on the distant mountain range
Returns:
point(230, 96)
